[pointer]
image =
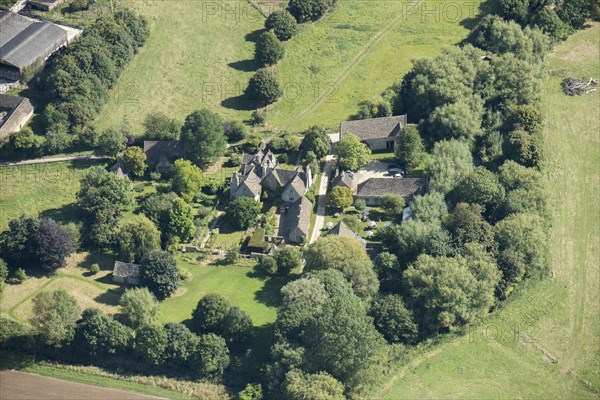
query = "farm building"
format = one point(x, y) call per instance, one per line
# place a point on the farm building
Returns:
point(373, 189)
point(377, 133)
point(26, 43)
point(15, 111)
point(160, 154)
point(345, 179)
point(126, 273)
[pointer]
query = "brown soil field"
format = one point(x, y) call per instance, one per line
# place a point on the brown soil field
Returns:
point(24, 386)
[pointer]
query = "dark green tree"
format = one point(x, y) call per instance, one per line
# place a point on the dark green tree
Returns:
point(288, 258)
point(269, 50)
point(159, 273)
point(150, 343)
point(98, 334)
point(211, 357)
point(242, 212)
point(111, 142)
point(309, 10)
point(209, 314)
point(409, 148)
point(203, 138)
point(264, 88)
point(393, 320)
point(53, 244)
point(282, 23)
point(316, 140)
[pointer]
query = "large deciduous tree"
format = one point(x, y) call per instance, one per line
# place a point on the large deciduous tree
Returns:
point(55, 316)
point(98, 334)
point(134, 160)
point(409, 148)
point(319, 386)
point(340, 197)
point(242, 212)
point(269, 50)
point(139, 307)
point(349, 257)
point(316, 140)
point(351, 152)
point(186, 179)
point(136, 237)
point(203, 137)
point(264, 88)
point(159, 126)
point(393, 320)
point(283, 24)
point(447, 292)
point(159, 273)
point(54, 244)
point(450, 161)
point(181, 221)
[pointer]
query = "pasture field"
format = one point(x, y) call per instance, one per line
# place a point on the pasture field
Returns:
point(544, 342)
point(41, 189)
point(257, 295)
point(206, 58)
point(199, 54)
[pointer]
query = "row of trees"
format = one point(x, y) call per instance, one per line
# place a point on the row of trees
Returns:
point(91, 336)
point(77, 81)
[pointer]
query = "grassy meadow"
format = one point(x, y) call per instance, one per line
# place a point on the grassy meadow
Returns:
point(544, 342)
point(41, 189)
point(206, 59)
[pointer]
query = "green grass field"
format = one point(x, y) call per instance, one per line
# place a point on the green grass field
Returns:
point(206, 59)
point(544, 343)
point(258, 296)
point(196, 57)
point(42, 189)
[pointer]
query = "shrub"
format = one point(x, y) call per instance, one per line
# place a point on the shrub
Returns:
point(20, 276)
point(95, 268)
point(242, 212)
point(268, 265)
point(258, 118)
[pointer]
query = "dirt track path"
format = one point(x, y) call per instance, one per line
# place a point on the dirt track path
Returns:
point(364, 51)
point(24, 386)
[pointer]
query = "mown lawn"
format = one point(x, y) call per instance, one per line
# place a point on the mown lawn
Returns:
point(513, 353)
point(42, 189)
point(257, 295)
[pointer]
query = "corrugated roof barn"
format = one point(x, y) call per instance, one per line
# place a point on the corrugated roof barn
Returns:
point(24, 41)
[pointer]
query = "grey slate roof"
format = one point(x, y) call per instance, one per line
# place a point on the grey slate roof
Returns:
point(126, 270)
point(24, 41)
point(341, 229)
point(160, 150)
point(9, 103)
point(377, 187)
point(297, 215)
point(344, 179)
point(374, 128)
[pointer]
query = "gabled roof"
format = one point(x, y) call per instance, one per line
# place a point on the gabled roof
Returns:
point(377, 187)
point(24, 40)
point(297, 183)
point(344, 179)
point(374, 128)
point(126, 270)
point(252, 182)
point(341, 229)
point(160, 150)
point(296, 216)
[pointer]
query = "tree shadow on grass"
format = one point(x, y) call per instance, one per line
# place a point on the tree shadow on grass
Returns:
point(270, 293)
point(244, 65)
point(64, 214)
point(240, 103)
point(254, 35)
point(111, 297)
point(487, 7)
